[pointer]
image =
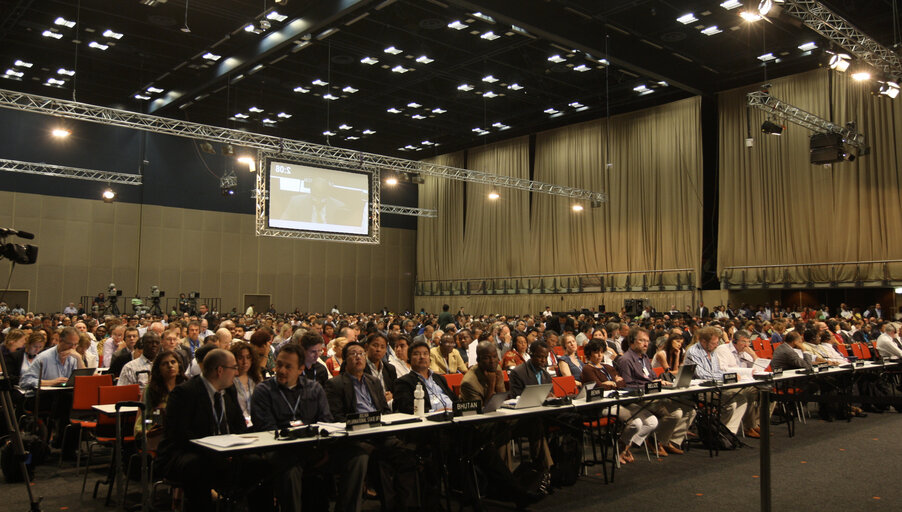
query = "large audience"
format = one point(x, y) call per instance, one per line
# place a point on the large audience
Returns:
point(202, 373)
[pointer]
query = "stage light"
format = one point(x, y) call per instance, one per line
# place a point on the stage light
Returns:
point(769, 8)
point(228, 183)
point(249, 162)
point(771, 128)
point(108, 195)
point(61, 133)
point(493, 195)
point(577, 207)
point(840, 62)
point(890, 89)
point(861, 76)
point(391, 180)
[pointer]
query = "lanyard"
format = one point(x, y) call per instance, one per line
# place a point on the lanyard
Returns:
point(294, 410)
point(219, 418)
point(245, 393)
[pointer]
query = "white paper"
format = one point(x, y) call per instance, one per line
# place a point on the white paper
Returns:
point(227, 441)
point(388, 419)
point(760, 365)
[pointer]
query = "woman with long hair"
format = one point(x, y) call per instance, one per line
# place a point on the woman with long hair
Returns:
point(166, 373)
point(517, 355)
point(671, 355)
point(248, 375)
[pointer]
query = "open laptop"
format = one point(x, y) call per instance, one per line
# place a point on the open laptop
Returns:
point(532, 396)
point(684, 376)
point(78, 372)
point(494, 402)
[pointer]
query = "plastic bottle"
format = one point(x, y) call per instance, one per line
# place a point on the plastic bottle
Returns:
point(419, 406)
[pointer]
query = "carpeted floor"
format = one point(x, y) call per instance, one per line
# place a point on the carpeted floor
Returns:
point(828, 466)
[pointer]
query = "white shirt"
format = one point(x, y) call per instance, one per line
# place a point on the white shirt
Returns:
point(129, 374)
point(728, 357)
point(887, 346)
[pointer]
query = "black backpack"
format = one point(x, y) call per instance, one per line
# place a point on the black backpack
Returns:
point(715, 435)
point(567, 457)
point(38, 452)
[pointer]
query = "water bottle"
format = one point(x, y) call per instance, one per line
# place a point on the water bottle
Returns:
point(419, 405)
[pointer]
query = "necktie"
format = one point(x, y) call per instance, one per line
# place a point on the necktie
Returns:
point(539, 377)
point(218, 412)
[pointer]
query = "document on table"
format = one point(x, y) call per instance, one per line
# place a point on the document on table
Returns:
point(760, 365)
point(227, 441)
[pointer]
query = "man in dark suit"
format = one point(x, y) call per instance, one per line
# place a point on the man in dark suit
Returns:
point(531, 372)
point(435, 388)
point(702, 311)
point(204, 406)
point(355, 392)
point(376, 348)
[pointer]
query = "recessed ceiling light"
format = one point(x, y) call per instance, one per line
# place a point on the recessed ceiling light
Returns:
point(489, 36)
point(418, 116)
point(749, 16)
point(489, 94)
point(438, 110)
point(350, 90)
point(710, 31)
point(369, 132)
point(426, 143)
point(410, 146)
point(399, 69)
point(95, 44)
point(414, 104)
point(575, 104)
point(54, 81)
point(13, 72)
point(64, 22)
point(550, 111)
point(319, 82)
point(275, 16)
point(490, 79)
point(269, 121)
point(64, 71)
point(141, 97)
point(50, 33)
point(255, 110)
point(731, 4)
point(582, 68)
point(330, 97)
point(22, 64)
point(283, 115)
point(766, 57)
point(301, 89)
point(112, 35)
point(344, 126)
point(352, 137)
point(392, 50)
point(250, 28)
point(515, 87)
point(498, 125)
point(393, 110)
point(212, 56)
point(687, 19)
point(477, 129)
point(557, 59)
point(369, 60)
point(484, 17)
point(465, 87)
point(329, 133)
point(241, 115)
point(807, 47)
point(641, 88)
point(422, 59)
point(457, 25)
point(662, 83)
point(154, 90)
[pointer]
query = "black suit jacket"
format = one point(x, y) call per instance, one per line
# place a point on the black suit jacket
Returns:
point(389, 375)
point(525, 375)
point(189, 415)
point(703, 312)
point(13, 362)
point(405, 386)
point(343, 401)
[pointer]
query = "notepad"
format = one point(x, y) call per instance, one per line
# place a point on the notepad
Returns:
point(226, 441)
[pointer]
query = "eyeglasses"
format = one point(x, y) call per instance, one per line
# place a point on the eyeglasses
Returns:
point(230, 367)
point(356, 354)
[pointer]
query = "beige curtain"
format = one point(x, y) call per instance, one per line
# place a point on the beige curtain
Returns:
point(440, 237)
point(778, 209)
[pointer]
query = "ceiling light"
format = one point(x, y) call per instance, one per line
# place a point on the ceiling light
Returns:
point(212, 56)
point(269, 121)
point(112, 35)
point(770, 128)
point(22, 64)
point(557, 59)
point(457, 25)
point(283, 115)
point(767, 7)
point(108, 195)
point(50, 33)
point(301, 89)
point(228, 183)
point(489, 36)
point(477, 129)
point(344, 127)
point(329, 133)
point(391, 180)
point(426, 143)
point(766, 57)
point(493, 195)
point(249, 162)
point(13, 72)
point(807, 47)
point(438, 110)
point(255, 110)
point(330, 97)
point(319, 82)
point(275, 16)
point(392, 50)
point(489, 94)
point(350, 90)
point(890, 89)
point(577, 208)
point(54, 81)
point(64, 71)
point(393, 110)
point(731, 4)
point(399, 69)
point(498, 125)
point(240, 115)
point(369, 60)
point(581, 68)
point(575, 104)
point(95, 44)
point(60, 133)
point(710, 31)
point(840, 62)
point(414, 104)
point(418, 116)
point(422, 59)
point(642, 89)
point(749, 16)
point(550, 111)
point(64, 22)
point(141, 97)
point(490, 79)
point(368, 132)
point(483, 17)
point(250, 28)
point(154, 90)
point(464, 87)
point(687, 19)
point(861, 76)
point(515, 87)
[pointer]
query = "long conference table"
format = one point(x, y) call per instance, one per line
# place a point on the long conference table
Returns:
point(399, 423)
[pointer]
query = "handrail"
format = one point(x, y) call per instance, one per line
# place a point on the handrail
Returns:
point(543, 276)
point(832, 263)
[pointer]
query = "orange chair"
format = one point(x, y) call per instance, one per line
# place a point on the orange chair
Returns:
point(659, 371)
point(856, 350)
point(564, 386)
point(558, 350)
point(454, 380)
point(581, 353)
point(507, 381)
point(841, 348)
point(83, 399)
point(106, 424)
point(865, 351)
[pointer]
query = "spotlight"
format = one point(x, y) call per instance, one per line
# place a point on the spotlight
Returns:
point(577, 207)
point(265, 24)
point(206, 147)
point(771, 128)
point(890, 89)
point(840, 62)
point(595, 203)
point(861, 76)
point(61, 133)
point(228, 150)
point(769, 8)
point(249, 162)
point(391, 180)
point(108, 195)
point(228, 183)
point(493, 195)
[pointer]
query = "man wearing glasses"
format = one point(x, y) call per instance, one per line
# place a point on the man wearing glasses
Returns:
point(204, 406)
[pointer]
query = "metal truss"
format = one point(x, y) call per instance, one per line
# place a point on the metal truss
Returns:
point(764, 101)
point(832, 26)
point(62, 171)
point(310, 153)
point(405, 210)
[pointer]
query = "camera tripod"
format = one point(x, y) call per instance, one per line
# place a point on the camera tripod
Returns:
point(112, 307)
point(155, 308)
point(6, 403)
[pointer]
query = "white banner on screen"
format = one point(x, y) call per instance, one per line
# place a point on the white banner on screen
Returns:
point(316, 199)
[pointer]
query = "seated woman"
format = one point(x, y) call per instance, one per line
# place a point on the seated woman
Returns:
point(248, 375)
point(262, 342)
point(83, 351)
point(569, 363)
point(517, 355)
point(33, 347)
point(334, 362)
point(671, 355)
point(640, 423)
point(166, 373)
point(601, 335)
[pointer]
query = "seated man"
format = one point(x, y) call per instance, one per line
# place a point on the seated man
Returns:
point(125, 354)
point(888, 344)
point(791, 356)
point(707, 366)
point(376, 347)
point(355, 392)
point(530, 373)
point(674, 417)
point(738, 355)
point(289, 399)
point(445, 358)
point(137, 371)
point(204, 406)
point(438, 396)
point(311, 342)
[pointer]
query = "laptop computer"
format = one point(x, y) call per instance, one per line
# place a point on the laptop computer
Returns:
point(684, 376)
point(583, 390)
point(494, 402)
point(78, 372)
point(533, 396)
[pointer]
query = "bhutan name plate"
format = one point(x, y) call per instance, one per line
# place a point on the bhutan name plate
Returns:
point(467, 408)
